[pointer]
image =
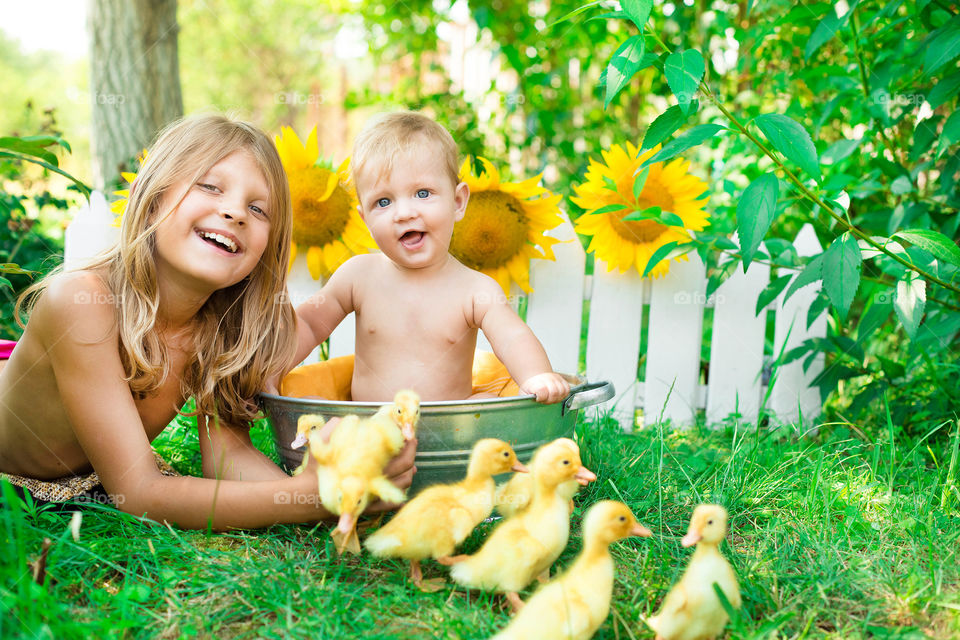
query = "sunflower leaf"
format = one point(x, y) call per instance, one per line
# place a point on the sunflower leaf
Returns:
point(684, 70)
point(790, 138)
point(755, 213)
point(626, 61)
point(610, 208)
point(666, 251)
point(639, 181)
point(842, 262)
point(663, 127)
point(691, 138)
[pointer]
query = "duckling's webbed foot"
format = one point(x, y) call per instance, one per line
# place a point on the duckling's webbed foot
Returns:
point(513, 598)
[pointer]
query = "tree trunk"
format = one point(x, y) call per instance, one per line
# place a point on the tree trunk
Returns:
point(134, 79)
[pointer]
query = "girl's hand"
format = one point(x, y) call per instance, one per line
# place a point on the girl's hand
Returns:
point(549, 387)
point(400, 471)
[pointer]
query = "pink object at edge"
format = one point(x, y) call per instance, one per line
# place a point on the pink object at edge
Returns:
point(6, 348)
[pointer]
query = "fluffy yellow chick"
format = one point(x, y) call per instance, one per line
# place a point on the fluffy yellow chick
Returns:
point(440, 517)
point(306, 425)
point(692, 610)
point(524, 547)
point(350, 465)
point(574, 605)
point(514, 495)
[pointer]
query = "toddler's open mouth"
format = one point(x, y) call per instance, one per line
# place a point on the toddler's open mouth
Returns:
point(412, 239)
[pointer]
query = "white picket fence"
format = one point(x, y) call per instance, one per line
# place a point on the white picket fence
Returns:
point(675, 307)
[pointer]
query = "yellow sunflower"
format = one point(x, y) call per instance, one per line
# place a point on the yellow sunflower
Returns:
point(625, 243)
point(325, 219)
point(119, 207)
point(504, 225)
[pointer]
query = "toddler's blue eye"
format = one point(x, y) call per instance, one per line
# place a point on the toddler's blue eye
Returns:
point(423, 193)
point(383, 202)
point(207, 187)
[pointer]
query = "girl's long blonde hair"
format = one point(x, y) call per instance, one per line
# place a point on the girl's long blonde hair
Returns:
point(244, 333)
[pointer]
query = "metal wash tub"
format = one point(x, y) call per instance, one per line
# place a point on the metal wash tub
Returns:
point(448, 429)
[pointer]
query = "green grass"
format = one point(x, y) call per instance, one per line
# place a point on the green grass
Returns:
point(831, 538)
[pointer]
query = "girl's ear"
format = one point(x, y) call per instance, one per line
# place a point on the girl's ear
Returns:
point(461, 195)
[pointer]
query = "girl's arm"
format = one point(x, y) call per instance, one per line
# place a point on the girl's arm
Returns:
point(75, 321)
point(228, 453)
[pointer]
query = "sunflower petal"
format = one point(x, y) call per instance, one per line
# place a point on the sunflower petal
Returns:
point(315, 262)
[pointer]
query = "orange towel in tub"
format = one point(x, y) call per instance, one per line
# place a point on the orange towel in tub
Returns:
point(331, 379)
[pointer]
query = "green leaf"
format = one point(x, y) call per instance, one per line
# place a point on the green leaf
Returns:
point(691, 138)
point(576, 12)
point(790, 138)
point(671, 249)
point(610, 208)
point(5, 283)
point(684, 71)
point(826, 29)
point(942, 247)
point(770, 292)
point(841, 272)
point(909, 302)
point(13, 267)
point(32, 146)
point(623, 65)
point(655, 214)
point(950, 133)
point(638, 10)
point(923, 137)
point(663, 127)
point(944, 90)
point(943, 47)
point(639, 181)
point(84, 189)
point(811, 273)
point(840, 150)
point(875, 315)
point(819, 305)
point(755, 213)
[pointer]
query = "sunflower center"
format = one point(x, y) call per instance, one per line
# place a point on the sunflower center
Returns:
point(492, 232)
point(317, 222)
point(654, 194)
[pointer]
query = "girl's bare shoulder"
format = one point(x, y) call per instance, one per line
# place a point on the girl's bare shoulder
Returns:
point(76, 300)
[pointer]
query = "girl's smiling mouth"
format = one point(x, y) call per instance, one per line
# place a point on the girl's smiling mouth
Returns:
point(223, 241)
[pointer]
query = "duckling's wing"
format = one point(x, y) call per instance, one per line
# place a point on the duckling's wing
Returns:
point(673, 615)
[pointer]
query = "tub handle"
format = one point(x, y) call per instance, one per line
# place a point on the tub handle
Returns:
point(587, 395)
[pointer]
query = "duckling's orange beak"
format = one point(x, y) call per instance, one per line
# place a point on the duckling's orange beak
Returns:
point(519, 467)
point(692, 538)
point(407, 431)
point(299, 441)
point(346, 523)
point(585, 476)
point(640, 530)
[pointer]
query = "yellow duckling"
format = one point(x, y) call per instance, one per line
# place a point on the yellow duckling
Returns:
point(306, 425)
point(350, 465)
point(692, 610)
point(514, 495)
point(574, 605)
point(525, 546)
point(440, 517)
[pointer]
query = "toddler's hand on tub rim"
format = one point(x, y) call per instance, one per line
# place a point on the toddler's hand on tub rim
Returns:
point(548, 387)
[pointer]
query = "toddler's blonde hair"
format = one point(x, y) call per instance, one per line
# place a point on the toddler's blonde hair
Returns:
point(244, 333)
point(386, 137)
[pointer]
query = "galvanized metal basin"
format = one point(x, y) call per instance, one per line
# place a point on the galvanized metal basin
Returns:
point(447, 430)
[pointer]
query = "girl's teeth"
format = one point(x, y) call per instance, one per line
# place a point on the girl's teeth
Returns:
point(227, 242)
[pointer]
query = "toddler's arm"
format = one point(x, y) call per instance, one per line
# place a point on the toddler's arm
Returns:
point(515, 345)
point(322, 312)
point(81, 339)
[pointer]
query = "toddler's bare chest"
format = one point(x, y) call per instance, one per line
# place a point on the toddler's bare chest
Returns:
point(388, 321)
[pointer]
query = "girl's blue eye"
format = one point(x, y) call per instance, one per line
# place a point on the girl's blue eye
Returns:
point(383, 202)
point(207, 187)
point(257, 210)
point(423, 193)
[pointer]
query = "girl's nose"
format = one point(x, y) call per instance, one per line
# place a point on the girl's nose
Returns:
point(231, 213)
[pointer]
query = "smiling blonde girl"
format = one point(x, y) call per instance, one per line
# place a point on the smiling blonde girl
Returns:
point(190, 303)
